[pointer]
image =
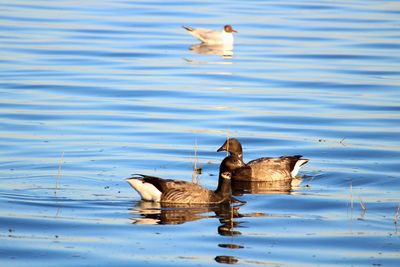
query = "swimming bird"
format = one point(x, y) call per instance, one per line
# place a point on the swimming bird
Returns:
point(261, 169)
point(211, 37)
point(156, 189)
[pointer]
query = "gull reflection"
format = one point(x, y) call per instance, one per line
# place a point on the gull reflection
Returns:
point(225, 51)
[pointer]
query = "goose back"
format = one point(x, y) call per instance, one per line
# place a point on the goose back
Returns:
point(180, 192)
point(166, 184)
point(261, 169)
point(189, 195)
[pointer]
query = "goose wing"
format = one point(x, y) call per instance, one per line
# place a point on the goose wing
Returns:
point(190, 194)
point(207, 35)
point(281, 168)
point(270, 169)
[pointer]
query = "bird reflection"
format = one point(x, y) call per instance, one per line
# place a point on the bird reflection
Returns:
point(226, 259)
point(227, 213)
point(240, 188)
point(162, 213)
point(225, 51)
point(228, 224)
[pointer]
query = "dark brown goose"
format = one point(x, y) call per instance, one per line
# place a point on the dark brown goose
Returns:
point(180, 192)
point(262, 169)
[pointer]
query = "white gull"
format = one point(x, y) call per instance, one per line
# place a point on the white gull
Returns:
point(224, 37)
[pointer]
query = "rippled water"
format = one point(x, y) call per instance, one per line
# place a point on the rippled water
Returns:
point(93, 91)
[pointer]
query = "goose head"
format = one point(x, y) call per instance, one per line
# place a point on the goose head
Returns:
point(233, 146)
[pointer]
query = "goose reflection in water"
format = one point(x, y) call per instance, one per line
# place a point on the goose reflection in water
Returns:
point(162, 213)
point(287, 186)
point(228, 214)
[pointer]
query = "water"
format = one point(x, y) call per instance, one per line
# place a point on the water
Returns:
point(93, 91)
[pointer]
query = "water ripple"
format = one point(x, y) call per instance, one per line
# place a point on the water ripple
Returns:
point(93, 92)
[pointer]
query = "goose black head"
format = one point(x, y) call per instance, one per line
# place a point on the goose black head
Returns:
point(233, 146)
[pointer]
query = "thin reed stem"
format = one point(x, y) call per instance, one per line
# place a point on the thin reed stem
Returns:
point(59, 173)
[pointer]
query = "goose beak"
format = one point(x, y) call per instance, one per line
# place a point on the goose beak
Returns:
point(134, 176)
point(222, 148)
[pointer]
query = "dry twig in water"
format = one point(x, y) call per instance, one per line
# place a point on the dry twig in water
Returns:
point(363, 209)
point(342, 142)
point(196, 169)
point(351, 196)
point(396, 215)
point(362, 205)
point(59, 173)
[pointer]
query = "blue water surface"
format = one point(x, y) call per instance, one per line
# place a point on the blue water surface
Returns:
point(94, 91)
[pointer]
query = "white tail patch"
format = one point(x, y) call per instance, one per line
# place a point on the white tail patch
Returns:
point(146, 191)
point(297, 166)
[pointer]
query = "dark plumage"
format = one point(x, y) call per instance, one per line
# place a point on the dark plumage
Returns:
point(262, 169)
point(161, 190)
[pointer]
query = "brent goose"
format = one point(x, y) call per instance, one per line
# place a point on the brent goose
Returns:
point(262, 169)
point(224, 37)
point(180, 192)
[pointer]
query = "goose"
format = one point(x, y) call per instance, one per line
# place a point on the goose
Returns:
point(261, 169)
point(170, 191)
point(211, 37)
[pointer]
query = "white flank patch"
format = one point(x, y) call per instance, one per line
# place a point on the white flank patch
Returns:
point(146, 191)
point(297, 167)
